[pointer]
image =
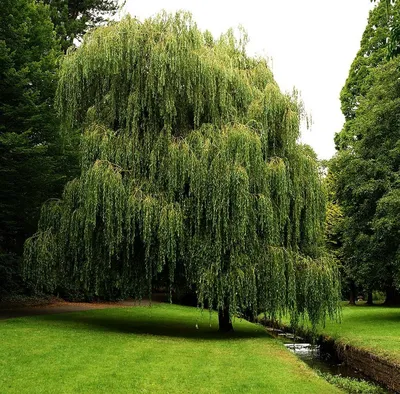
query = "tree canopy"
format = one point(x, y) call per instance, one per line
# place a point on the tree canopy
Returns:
point(33, 165)
point(393, 25)
point(372, 52)
point(35, 159)
point(190, 169)
point(72, 19)
point(367, 182)
point(365, 168)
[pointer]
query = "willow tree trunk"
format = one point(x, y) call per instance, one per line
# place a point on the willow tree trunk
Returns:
point(392, 296)
point(225, 323)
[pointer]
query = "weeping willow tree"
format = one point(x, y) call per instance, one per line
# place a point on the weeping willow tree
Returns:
point(190, 169)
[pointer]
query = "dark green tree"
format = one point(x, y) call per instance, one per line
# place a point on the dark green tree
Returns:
point(73, 18)
point(334, 213)
point(367, 185)
point(190, 169)
point(372, 52)
point(393, 24)
point(334, 226)
point(30, 149)
point(361, 173)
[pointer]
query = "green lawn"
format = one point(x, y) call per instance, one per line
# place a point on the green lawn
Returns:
point(375, 328)
point(154, 349)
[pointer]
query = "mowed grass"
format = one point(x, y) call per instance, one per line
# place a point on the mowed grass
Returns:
point(374, 328)
point(155, 349)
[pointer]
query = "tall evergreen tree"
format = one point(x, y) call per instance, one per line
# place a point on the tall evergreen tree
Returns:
point(190, 168)
point(30, 149)
point(73, 18)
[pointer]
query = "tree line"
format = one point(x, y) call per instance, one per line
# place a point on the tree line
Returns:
point(364, 215)
point(35, 160)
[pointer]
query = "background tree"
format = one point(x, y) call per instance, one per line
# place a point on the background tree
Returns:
point(361, 181)
point(393, 24)
point(73, 18)
point(372, 52)
point(33, 165)
point(190, 168)
point(367, 184)
point(334, 226)
point(334, 214)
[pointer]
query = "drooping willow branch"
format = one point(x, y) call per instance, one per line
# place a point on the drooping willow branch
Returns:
point(190, 168)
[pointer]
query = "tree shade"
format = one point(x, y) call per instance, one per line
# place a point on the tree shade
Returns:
point(190, 169)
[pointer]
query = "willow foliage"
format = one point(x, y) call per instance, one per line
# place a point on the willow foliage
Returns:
point(190, 167)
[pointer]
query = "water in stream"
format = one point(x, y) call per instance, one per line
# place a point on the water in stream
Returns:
point(318, 358)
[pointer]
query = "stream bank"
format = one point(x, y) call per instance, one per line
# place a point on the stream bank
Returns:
point(328, 355)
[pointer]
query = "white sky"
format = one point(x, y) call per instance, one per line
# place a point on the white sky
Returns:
point(311, 43)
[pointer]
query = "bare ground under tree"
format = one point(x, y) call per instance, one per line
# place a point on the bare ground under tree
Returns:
point(11, 310)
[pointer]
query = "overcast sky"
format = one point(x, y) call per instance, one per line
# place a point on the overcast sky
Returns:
point(311, 43)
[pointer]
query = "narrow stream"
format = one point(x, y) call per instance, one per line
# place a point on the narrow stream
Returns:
point(318, 358)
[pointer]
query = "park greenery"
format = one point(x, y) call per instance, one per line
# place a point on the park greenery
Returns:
point(191, 171)
point(375, 329)
point(149, 156)
point(352, 385)
point(35, 161)
point(364, 173)
point(155, 349)
point(72, 19)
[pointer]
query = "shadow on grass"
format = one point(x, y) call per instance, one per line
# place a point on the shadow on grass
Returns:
point(152, 325)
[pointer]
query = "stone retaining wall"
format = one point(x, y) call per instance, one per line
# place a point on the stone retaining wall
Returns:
point(371, 365)
point(375, 367)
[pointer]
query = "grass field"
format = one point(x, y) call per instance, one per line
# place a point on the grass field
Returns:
point(154, 349)
point(375, 328)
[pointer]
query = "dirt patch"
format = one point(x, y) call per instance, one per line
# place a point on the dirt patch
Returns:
point(9, 310)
